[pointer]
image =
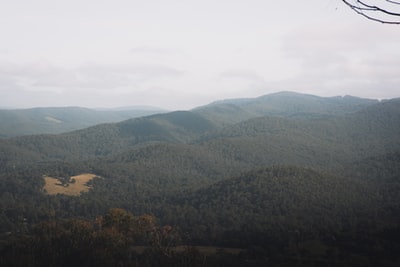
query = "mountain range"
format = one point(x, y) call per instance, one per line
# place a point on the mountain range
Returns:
point(281, 171)
point(55, 120)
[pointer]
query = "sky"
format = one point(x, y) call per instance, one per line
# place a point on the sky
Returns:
point(179, 54)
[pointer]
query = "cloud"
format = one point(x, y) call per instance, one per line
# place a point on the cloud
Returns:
point(185, 54)
point(240, 83)
point(342, 60)
point(245, 74)
point(150, 50)
point(122, 75)
point(42, 83)
point(359, 79)
point(325, 45)
point(39, 75)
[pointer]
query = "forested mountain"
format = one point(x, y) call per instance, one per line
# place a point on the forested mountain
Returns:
point(106, 139)
point(292, 179)
point(278, 198)
point(18, 122)
point(286, 104)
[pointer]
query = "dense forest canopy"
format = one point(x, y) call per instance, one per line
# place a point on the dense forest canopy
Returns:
point(286, 179)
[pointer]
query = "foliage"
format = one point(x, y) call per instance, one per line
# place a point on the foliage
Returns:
point(310, 185)
point(106, 241)
point(20, 122)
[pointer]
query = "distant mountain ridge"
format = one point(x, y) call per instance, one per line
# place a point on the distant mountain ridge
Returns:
point(56, 120)
point(287, 104)
point(312, 139)
point(294, 174)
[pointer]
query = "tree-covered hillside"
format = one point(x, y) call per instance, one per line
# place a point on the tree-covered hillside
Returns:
point(107, 139)
point(19, 122)
point(276, 200)
point(284, 104)
point(314, 188)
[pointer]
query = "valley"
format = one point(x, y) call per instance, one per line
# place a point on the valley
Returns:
point(288, 179)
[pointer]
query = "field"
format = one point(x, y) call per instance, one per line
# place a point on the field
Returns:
point(76, 185)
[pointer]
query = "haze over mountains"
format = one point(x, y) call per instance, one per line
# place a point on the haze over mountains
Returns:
point(55, 120)
point(272, 171)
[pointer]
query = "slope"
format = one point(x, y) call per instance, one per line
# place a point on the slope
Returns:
point(155, 170)
point(105, 139)
point(271, 204)
point(324, 143)
point(20, 122)
point(285, 104)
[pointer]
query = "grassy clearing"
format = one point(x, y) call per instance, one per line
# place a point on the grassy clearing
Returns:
point(53, 185)
point(52, 119)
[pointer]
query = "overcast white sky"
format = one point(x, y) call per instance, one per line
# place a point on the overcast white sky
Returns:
point(178, 54)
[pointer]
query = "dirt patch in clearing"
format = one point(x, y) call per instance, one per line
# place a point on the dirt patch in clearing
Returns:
point(74, 187)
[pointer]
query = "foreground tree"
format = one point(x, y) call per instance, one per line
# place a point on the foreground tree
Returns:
point(114, 239)
point(384, 11)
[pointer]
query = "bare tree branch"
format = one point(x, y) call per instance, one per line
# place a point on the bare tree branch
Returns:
point(393, 2)
point(375, 12)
